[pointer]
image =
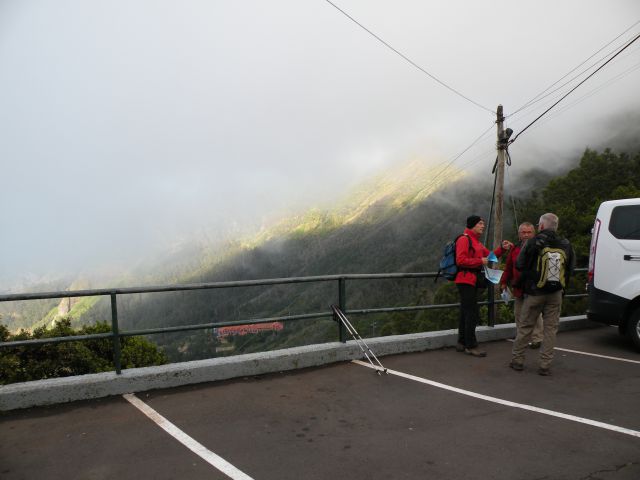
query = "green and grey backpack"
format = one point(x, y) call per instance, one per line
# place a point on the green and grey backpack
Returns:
point(550, 267)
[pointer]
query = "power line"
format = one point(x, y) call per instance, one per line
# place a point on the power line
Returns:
point(549, 101)
point(444, 169)
point(513, 203)
point(536, 99)
point(565, 83)
point(592, 92)
point(482, 156)
point(574, 88)
point(601, 87)
point(408, 59)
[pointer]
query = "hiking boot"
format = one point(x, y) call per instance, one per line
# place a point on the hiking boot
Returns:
point(545, 372)
point(475, 351)
point(518, 367)
point(535, 345)
point(459, 347)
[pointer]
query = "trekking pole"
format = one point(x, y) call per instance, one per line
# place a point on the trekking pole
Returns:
point(359, 340)
point(349, 327)
point(360, 344)
point(348, 322)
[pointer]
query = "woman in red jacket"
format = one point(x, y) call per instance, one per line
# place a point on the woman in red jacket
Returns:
point(471, 256)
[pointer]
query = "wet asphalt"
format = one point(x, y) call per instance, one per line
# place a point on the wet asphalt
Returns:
point(343, 421)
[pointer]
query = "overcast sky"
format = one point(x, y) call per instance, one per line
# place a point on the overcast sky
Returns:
point(126, 126)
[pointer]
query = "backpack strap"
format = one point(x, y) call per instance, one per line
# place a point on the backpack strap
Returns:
point(455, 244)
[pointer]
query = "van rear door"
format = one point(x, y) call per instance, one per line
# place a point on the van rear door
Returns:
point(614, 261)
point(623, 254)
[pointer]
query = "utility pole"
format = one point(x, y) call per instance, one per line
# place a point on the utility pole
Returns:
point(498, 202)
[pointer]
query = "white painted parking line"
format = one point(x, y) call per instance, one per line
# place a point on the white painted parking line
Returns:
point(599, 356)
point(196, 447)
point(619, 359)
point(508, 403)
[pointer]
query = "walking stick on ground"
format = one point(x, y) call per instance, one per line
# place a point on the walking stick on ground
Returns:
point(341, 317)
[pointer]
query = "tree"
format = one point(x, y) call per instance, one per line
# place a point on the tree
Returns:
point(25, 363)
point(575, 197)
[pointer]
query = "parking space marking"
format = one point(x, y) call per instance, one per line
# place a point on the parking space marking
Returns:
point(508, 403)
point(598, 355)
point(196, 447)
point(591, 354)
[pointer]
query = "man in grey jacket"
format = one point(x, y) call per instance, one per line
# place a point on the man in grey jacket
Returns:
point(546, 262)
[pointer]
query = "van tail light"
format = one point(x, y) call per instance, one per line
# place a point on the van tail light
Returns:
point(592, 252)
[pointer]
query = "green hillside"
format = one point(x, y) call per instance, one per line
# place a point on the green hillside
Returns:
point(17, 315)
point(394, 223)
point(80, 307)
point(33, 314)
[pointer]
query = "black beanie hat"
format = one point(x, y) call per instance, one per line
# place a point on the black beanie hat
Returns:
point(473, 220)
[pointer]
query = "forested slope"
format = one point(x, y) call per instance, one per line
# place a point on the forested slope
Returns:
point(401, 231)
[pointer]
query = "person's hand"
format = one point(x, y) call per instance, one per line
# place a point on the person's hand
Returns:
point(507, 245)
point(485, 261)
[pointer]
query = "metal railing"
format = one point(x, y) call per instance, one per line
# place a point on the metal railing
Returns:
point(116, 334)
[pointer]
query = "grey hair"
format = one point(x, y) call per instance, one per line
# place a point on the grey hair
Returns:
point(525, 224)
point(550, 221)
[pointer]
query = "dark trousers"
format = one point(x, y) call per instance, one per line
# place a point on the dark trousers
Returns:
point(469, 315)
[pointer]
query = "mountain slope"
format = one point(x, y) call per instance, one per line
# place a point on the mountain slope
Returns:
point(394, 224)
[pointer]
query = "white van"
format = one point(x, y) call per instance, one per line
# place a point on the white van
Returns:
point(614, 267)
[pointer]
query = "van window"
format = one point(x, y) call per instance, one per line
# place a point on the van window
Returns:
point(625, 222)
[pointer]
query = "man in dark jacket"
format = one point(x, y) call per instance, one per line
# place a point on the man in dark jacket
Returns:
point(511, 279)
point(546, 263)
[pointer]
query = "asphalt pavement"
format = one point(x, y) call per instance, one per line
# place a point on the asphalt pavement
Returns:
point(438, 414)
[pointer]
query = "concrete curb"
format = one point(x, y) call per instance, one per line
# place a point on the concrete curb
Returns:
point(83, 387)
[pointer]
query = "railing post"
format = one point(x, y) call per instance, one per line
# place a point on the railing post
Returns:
point(342, 303)
point(491, 308)
point(115, 334)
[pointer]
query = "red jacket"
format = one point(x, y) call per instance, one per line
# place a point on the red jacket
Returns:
point(511, 274)
point(469, 260)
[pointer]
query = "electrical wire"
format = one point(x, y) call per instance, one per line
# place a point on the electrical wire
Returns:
point(549, 101)
point(490, 217)
point(565, 83)
point(513, 203)
point(574, 88)
point(591, 93)
point(444, 169)
point(586, 96)
point(488, 152)
point(477, 158)
point(535, 99)
point(402, 55)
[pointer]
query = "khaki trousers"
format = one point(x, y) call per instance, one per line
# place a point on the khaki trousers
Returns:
point(536, 336)
point(549, 306)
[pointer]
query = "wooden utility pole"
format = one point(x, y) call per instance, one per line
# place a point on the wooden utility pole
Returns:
point(499, 200)
point(497, 213)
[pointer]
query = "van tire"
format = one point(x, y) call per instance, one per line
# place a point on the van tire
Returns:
point(633, 327)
